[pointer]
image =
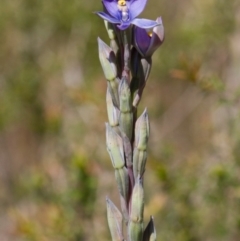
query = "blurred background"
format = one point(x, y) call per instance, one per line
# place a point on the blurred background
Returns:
point(54, 168)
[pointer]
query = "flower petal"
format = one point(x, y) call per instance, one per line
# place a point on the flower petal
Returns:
point(112, 8)
point(159, 30)
point(124, 25)
point(136, 7)
point(144, 23)
point(157, 37)
point(141, 39)
point(107, 17)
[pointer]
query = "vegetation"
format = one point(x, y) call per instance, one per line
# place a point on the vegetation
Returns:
point(54, 168)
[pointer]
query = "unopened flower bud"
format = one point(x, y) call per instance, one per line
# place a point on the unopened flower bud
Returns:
point(115, 147)
point(145, 41)
point(135, 231)
point(142, 131)
point(135, 226)
point(137, 203)
point(108, 60)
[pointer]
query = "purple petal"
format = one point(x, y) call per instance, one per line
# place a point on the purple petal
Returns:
point(144, 23)
point(157, 37)
point(136, 7)
point(112, 8)
point(124, 25)
point(142, 40)
point(107, 17)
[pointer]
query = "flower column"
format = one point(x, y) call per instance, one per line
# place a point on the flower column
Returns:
point(126, 66)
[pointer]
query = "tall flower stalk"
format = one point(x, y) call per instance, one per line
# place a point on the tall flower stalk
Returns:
point(126, 65)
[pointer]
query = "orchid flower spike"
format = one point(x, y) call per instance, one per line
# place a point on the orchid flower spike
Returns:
point(124, 13)
point(146, 41)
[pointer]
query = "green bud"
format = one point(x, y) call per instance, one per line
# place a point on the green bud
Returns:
point(114, 147)
point(108, 60)
point(115, 221)
point(121, 176)
point(137, 202)
point(135, 231)
point(126, 115)
point(126, 122)
point(141, 139)
point(139, 162)
point(125, 96)
point(150, 232)
point(142, 131)
point(112, 111)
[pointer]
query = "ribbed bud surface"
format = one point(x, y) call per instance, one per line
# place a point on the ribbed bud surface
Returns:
point(135, 225)
point(114, 147)
point(139, 162)
point(126, 115)
point(121, 176)
point(125, 96)
point(137, 203)
point(125, 122)
point(142, 131)
point(135, 231)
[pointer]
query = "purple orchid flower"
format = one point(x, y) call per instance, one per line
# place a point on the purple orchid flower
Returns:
point(146, 42)
point(124, 13)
